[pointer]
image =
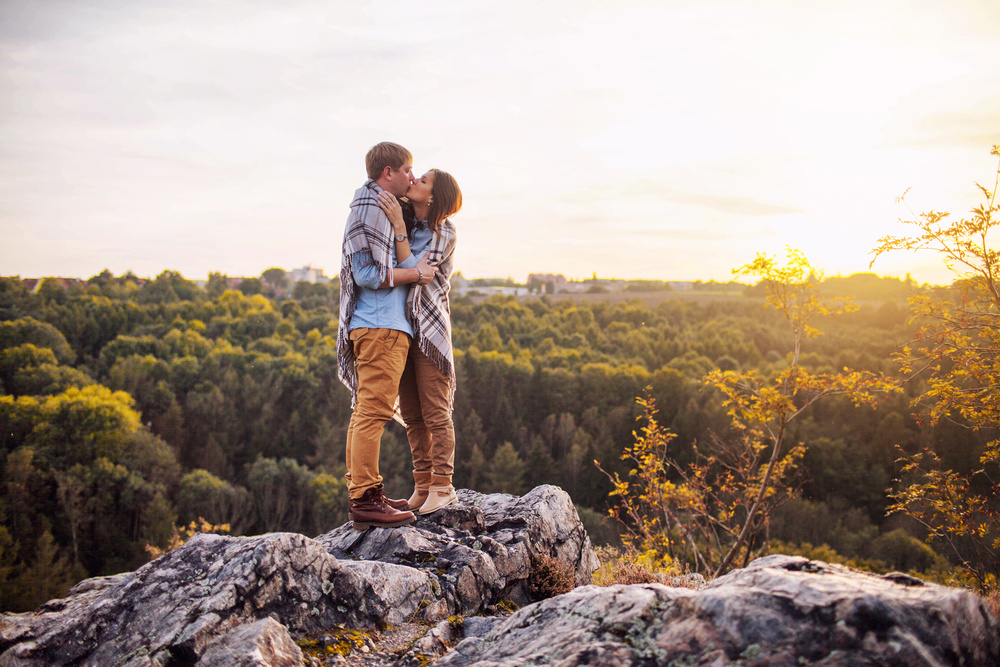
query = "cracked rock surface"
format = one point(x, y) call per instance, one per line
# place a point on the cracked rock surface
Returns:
point(171, 609)
point(411, 595)
point(477, 553)
point(207, 598)
point(780, 610)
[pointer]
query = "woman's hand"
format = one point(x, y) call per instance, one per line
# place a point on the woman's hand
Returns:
point(393, 211)
point(427, 271)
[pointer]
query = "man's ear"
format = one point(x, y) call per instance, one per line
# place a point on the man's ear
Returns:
point(387, 173)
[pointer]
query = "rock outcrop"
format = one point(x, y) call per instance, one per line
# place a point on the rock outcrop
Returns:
point(178, 609)
point(170, 610)
point(282, 599)
point(479, 552)
point(779, 611)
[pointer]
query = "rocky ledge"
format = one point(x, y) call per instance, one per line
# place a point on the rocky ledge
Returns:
point(441, 591)
point(780, 611)
point(202, 602)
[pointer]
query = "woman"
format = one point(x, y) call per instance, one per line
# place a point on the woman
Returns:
point(427, 388)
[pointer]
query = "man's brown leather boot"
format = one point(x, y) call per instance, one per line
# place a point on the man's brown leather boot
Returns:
point(371, 510)
point(395, 504)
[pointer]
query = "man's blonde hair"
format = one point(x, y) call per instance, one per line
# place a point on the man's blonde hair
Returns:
point(386, 154)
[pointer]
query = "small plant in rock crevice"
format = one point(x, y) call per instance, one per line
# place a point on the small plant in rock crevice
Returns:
point(549, 578)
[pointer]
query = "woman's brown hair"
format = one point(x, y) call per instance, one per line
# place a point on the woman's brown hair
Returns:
point(446, 199)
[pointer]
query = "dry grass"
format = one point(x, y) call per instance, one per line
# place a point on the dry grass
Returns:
point(626, 572)
point(619, 567)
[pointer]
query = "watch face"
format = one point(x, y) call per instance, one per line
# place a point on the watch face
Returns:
point(400, 237)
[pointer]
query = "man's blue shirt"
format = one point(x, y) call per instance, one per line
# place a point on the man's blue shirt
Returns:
point(380, 308)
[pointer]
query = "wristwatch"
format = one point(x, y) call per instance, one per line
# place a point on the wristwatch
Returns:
point(400, 238)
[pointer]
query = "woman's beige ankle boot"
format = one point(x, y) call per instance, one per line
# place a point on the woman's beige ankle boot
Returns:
point(421, 487)
point(438, 497)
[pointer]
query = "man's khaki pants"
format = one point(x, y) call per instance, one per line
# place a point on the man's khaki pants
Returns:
point(425, 403)
point(381, 356)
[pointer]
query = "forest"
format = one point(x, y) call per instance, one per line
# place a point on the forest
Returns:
point(131, 407)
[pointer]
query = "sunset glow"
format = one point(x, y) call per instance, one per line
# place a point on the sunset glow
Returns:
point(660, 140)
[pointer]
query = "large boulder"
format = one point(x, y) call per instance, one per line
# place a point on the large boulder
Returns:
point(779, 611)
point(203, 601)
point(481, 551)
point(170, 610)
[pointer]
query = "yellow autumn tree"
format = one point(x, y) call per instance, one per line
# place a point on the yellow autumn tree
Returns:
point(713, 513)
point(957, 351)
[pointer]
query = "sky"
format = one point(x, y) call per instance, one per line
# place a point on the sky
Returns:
point(666, 139)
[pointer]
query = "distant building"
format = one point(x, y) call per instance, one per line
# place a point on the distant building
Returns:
point(503, 290)
point(550, 283)
point(308, 274)
point(491, 290)
point(459, 284)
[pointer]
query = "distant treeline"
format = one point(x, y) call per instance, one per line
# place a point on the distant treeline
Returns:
point(128, 406)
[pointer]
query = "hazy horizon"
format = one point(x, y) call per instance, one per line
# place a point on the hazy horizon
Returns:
point(649, 140)
point(575, 279)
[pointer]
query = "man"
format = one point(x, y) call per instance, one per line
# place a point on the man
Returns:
point(374, 335)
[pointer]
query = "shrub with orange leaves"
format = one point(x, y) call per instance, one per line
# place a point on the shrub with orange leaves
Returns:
point(184, 533)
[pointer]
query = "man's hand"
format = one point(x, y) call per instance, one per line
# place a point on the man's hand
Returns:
point(427, 271)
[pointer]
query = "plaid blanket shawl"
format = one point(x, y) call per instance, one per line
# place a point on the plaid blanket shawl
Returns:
point(368, 230)
point(428, 307)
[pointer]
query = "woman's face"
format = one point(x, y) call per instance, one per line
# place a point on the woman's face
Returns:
point(421, 189)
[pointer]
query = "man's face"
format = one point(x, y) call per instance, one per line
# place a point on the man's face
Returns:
point(400, 179)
